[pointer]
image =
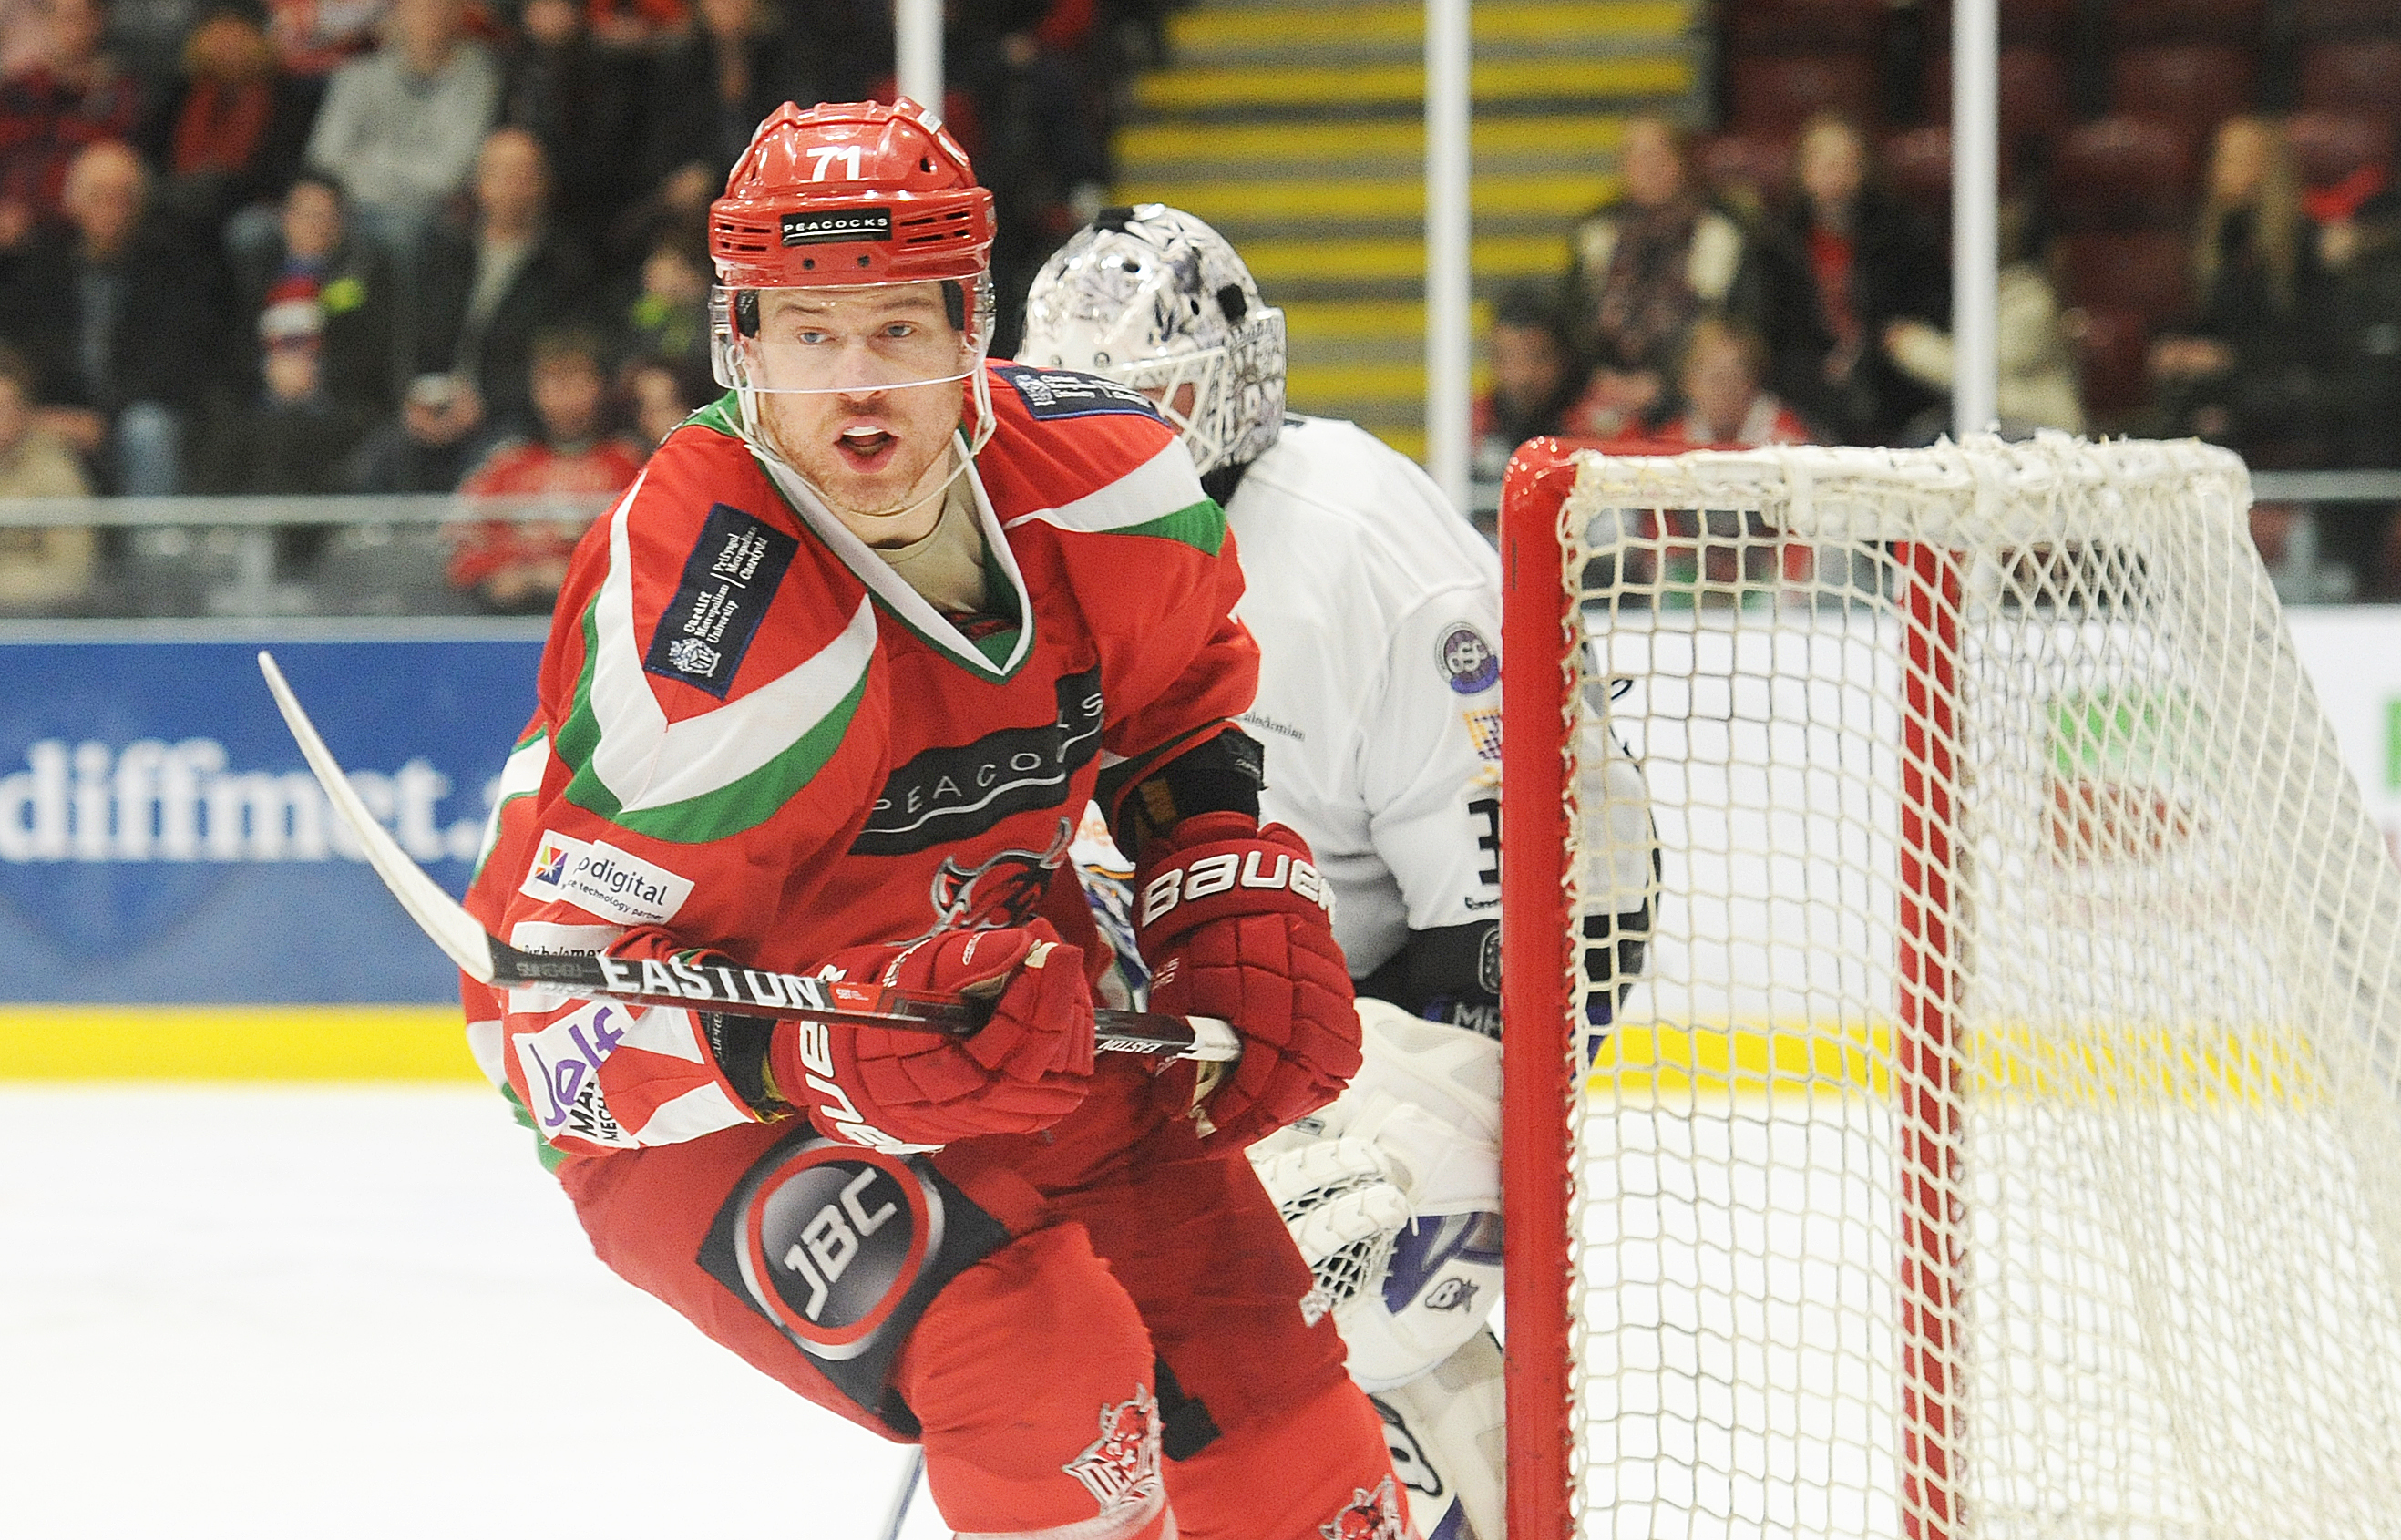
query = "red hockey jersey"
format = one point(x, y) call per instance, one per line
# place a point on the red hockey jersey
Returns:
point(754, 733)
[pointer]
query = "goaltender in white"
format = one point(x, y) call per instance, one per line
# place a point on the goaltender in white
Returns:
point(1376, 609)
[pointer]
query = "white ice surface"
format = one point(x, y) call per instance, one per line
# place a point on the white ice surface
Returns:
point(353, 1314)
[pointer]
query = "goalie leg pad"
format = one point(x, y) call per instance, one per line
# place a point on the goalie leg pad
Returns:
point(1445, 1429)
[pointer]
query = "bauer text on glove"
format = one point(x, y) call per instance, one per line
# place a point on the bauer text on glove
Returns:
point(1236, 922)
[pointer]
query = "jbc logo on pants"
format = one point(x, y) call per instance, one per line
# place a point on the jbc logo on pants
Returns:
point(833, 1242)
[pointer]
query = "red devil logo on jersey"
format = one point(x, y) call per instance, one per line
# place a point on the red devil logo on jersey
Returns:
point(1371, 1516)
point(1002, 889)
point(1120, 1469)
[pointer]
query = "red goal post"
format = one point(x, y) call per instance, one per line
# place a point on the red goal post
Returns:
point(2000, 1142)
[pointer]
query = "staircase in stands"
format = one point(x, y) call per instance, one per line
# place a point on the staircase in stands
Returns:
point(1296, 128)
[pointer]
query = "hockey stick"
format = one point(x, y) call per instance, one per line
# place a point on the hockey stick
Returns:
point(751, 992)
point(899, 1514)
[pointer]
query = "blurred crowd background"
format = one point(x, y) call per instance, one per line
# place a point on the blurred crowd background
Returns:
point(332, 247)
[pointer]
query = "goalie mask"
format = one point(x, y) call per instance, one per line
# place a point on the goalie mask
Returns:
point(1152, 297)
point(853, 252)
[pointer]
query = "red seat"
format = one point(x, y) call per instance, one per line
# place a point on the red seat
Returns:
point(2194, 85)
point(2032, 86)
point(2121, 173)
point(1783, 91)
point(2110, 349)
point(2329, 146)
point(1806, 26)
point(2361, 76)
point(2146, 274)
point(2238, 22)
point(1747, 170)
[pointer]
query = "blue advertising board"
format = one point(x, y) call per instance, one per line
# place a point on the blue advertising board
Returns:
point(162, 841)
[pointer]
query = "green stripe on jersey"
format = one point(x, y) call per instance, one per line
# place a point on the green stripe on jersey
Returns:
point(1160, 497)
point(717, 773)
point(1201, 525)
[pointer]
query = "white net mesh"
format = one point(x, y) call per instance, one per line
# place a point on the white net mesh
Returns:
point(2004, 1141)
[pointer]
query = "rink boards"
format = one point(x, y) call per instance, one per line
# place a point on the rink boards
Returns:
point(180, 950)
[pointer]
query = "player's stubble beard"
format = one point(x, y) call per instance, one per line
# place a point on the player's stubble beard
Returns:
point(888, 506)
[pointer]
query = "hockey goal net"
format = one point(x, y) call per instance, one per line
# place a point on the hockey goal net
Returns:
point(2005, 1136)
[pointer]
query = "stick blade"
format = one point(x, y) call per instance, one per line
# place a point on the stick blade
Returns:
point(435, 911)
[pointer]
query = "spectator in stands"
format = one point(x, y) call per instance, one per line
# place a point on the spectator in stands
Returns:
point(312, 260)
point(316, 37)
point(1721, 385)
point(1841, 261)
point(668, 318)
point(121, 321)
point(401, 126)
point(659, 395)
point(578, 99)
point(516, 567)
point(485, 288)
point(75, 97)
point(41, 569)
point(1535, 381)
point(2243, 369)
point(292, 437)
point(709, 90)
point(1645, 269)
point(230, 132)
point(2037, 385)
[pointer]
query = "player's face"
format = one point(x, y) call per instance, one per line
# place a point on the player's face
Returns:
point(862, 391)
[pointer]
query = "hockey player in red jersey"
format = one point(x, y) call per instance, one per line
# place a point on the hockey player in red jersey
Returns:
point(825, 693)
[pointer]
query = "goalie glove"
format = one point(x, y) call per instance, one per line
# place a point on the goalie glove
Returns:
point(1025, 1068)
point(1392, 1194)
point(1236, 923)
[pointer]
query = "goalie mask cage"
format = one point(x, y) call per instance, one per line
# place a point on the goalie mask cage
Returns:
point(2005, 1140)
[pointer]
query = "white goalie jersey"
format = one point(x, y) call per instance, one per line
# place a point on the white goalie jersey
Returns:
point(1377, 609)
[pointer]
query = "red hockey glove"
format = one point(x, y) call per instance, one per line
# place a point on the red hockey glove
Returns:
point(1236, 922)
point(1026, 1068)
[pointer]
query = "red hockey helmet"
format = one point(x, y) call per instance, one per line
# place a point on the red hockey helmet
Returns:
point(850, 193)
point(849, 201)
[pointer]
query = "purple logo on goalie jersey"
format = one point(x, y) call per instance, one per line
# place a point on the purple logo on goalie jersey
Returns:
point(1469, 664)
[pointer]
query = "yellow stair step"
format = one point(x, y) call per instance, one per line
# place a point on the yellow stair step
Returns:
point(1305, 26)
point(1491, 80)
point(1276, 261)
point(1403, 383)
point(1372, 198)
point(1334, 321)
point(1305, 147)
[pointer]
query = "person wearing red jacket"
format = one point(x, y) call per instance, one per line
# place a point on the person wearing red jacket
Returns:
point(827, 692)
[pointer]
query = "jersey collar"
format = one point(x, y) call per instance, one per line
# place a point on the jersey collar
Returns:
point(904, 603)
